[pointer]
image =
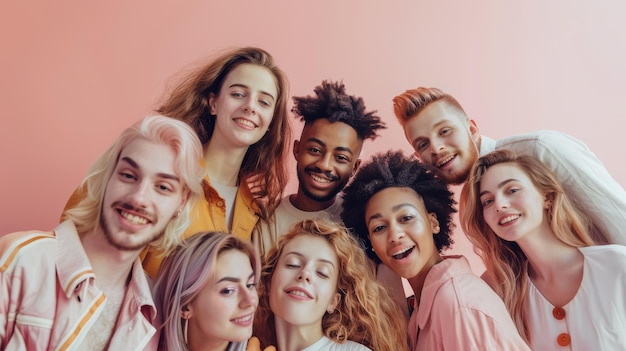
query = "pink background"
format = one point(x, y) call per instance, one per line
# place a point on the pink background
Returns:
point(74, 74)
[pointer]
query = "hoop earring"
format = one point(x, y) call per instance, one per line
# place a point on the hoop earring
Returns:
point(342, 333)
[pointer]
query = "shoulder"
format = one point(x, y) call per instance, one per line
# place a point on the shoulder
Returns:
point(541, 137)
point(16, 245)
point(605, 253)
point(468, 294)
point(348, 346)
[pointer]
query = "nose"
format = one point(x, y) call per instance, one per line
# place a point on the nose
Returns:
point(395, 232)
point(437, 145)
point(249, 298)
point(304, 275)
point(501, 203)
point(325, 162)
point(140, 194)
point(249, 106)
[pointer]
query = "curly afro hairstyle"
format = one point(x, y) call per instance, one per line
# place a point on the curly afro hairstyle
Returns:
point(332, 102)
point(393, 169)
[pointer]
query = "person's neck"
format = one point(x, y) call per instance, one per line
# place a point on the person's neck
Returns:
point(296, 337)
point(223, 164)
point(547, 255)
point(110, 265)
point(555, 268)
point(417, 282)
point(304, 203)
point(203, 344)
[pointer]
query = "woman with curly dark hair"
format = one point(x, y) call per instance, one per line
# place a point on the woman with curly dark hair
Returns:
point(403, 214)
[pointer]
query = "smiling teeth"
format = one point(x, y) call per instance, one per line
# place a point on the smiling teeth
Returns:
point(402, 251)
point(319, 179)
point(133, 219)
point(246, 123)
point(298, 293)
point(243, 319)
point(445, 160)
point(510, 218)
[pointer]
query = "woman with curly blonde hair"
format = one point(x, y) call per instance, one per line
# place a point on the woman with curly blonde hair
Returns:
point(318, 292)
point(560, 289)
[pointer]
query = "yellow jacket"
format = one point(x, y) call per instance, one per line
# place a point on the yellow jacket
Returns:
point(209, 214)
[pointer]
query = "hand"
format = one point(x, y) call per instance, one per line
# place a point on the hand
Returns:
point(255, 345)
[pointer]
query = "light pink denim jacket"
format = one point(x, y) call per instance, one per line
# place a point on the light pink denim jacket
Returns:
point(48, 299)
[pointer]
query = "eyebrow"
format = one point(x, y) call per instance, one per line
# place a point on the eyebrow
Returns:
point(239, 85)
point(338, 148)
point(500, 185)
point(393, 209)
point(134, 164)
point(436, 125)
point(234, 280)
point(302, 256)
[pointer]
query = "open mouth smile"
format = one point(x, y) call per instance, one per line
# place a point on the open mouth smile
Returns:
point(403, 253)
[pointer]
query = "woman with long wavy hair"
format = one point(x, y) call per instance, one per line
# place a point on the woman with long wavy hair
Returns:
point(318, 292)
point(237, 104)
point(560, 289)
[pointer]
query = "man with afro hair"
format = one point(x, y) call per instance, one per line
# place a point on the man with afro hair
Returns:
point(401, 211)
point(327, 155)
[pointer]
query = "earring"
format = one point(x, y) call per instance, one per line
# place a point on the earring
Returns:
point(185, 327)
point(436, 229)
point(180, 210)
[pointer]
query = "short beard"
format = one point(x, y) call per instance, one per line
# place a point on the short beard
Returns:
point(462, 177)
point(331, 195)
point(139, 246)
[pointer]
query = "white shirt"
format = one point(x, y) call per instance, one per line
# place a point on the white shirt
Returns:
point(287, 214)
point(583, 176)
point(595, 319)
point(326, 344)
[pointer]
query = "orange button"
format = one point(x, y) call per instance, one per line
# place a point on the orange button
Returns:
point(563, 339)
point(558, 313)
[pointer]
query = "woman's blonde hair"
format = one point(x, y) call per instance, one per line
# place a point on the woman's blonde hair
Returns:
point(506, 263)
point(366, 313)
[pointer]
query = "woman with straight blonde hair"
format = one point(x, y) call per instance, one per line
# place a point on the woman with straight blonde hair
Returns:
point(562, 292)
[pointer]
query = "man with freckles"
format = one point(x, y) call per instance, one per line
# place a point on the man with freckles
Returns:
point(443, 136)
point(81, 286)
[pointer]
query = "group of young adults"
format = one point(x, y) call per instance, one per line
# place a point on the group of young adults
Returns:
point(180, 236)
